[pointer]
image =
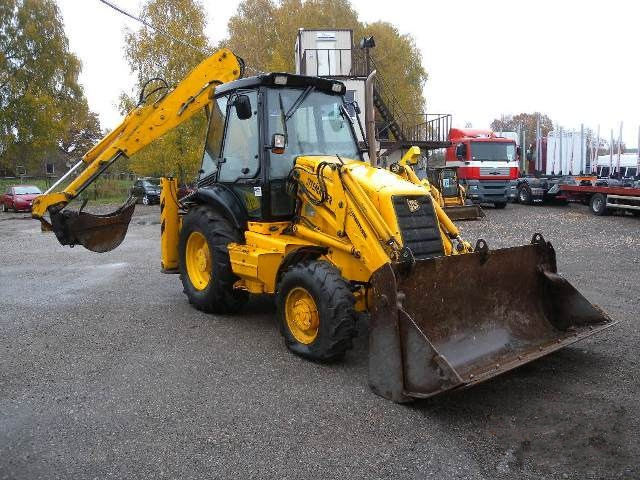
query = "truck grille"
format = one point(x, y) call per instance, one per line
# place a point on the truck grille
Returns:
point(489, 171)
point(418, 226)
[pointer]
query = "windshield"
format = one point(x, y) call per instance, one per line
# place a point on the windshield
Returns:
point(493, 151)
point(30, 190)
point(316, 127)
point(149, 184)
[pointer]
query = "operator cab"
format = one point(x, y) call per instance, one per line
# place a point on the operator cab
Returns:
point(446, 178)
point(258, 126)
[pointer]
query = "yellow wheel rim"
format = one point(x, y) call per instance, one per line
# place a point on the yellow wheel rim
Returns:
point(198, 260)
point(302, 315)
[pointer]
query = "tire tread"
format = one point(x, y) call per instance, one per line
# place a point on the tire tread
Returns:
point(339, 310)
point(222, 297)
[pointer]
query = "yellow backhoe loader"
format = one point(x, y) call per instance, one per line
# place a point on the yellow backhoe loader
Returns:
point(451, 195)
point(287, 205)
point(443, 186)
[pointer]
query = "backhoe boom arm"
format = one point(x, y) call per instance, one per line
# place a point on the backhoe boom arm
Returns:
point(143, 125)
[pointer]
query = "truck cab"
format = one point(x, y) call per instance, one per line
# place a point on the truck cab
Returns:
point(486, 164)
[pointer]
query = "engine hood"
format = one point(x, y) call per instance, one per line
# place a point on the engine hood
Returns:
point(374, 180)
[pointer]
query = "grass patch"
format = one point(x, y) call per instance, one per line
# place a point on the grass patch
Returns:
point(102, 191)
point(5, 183)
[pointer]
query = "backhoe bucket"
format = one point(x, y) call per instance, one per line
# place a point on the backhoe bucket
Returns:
point(455, 321)
point(98, 233)
point(464, 212)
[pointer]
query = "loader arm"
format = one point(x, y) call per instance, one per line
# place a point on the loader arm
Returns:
point(448, 228)
point(146, 123)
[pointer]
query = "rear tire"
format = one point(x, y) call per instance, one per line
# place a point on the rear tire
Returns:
point(500, 205)
point(216, 295)
point(315, 292)
point(598, 204)
point(524, 195)
point(4, 208)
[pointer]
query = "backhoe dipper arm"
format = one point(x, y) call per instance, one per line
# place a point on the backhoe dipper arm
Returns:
point(142, 126)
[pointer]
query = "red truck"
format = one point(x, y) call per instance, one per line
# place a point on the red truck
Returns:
point(487, 164)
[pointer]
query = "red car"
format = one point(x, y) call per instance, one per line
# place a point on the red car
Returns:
point(19, 197)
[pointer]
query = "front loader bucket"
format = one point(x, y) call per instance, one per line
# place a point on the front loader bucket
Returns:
point(459, 320)
point(464, 212)
point(98, 233)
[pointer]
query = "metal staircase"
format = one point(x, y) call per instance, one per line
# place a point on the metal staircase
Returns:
point(398, 129)
point(389, 124)
point(395, 128)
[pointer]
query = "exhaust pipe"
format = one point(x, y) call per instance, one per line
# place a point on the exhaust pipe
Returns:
point(370, 119)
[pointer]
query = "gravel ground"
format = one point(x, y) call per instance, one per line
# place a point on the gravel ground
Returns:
point(106, 372)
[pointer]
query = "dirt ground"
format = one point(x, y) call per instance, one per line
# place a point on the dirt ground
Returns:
point(106, 372)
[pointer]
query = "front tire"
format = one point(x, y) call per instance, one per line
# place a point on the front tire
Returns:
point(316, 311)
point(4, 208)
point(205, 267)
point(145, 200)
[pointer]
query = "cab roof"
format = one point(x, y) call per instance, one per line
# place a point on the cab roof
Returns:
point(462, 134)
point(276, 79)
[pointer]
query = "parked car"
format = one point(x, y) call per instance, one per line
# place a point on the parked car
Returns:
point(19, 198)
point(146, 191)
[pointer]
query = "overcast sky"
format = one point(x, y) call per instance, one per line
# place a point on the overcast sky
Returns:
point(576, 61)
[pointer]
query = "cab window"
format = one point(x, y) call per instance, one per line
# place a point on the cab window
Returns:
point(213, 145)
point(449, 183)
point(317, 126)
point(240, 152)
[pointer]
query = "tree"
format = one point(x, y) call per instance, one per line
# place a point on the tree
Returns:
point(82, 133)
point(151, 55)
point(528, 121)
point(39, 90)
point(263, 32)
point(399, 63)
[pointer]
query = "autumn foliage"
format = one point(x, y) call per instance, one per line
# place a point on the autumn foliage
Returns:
point(263, 33)
point(44, 114)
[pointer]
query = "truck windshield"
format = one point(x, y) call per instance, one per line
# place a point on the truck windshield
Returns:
point(316, 127)
point(493, 151)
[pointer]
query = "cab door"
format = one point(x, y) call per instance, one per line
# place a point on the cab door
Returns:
point(239, 164)
point(449, 182)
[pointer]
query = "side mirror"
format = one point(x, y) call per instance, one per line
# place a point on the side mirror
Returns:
point(278, 143)
point(243, 107)
point(461, 151)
